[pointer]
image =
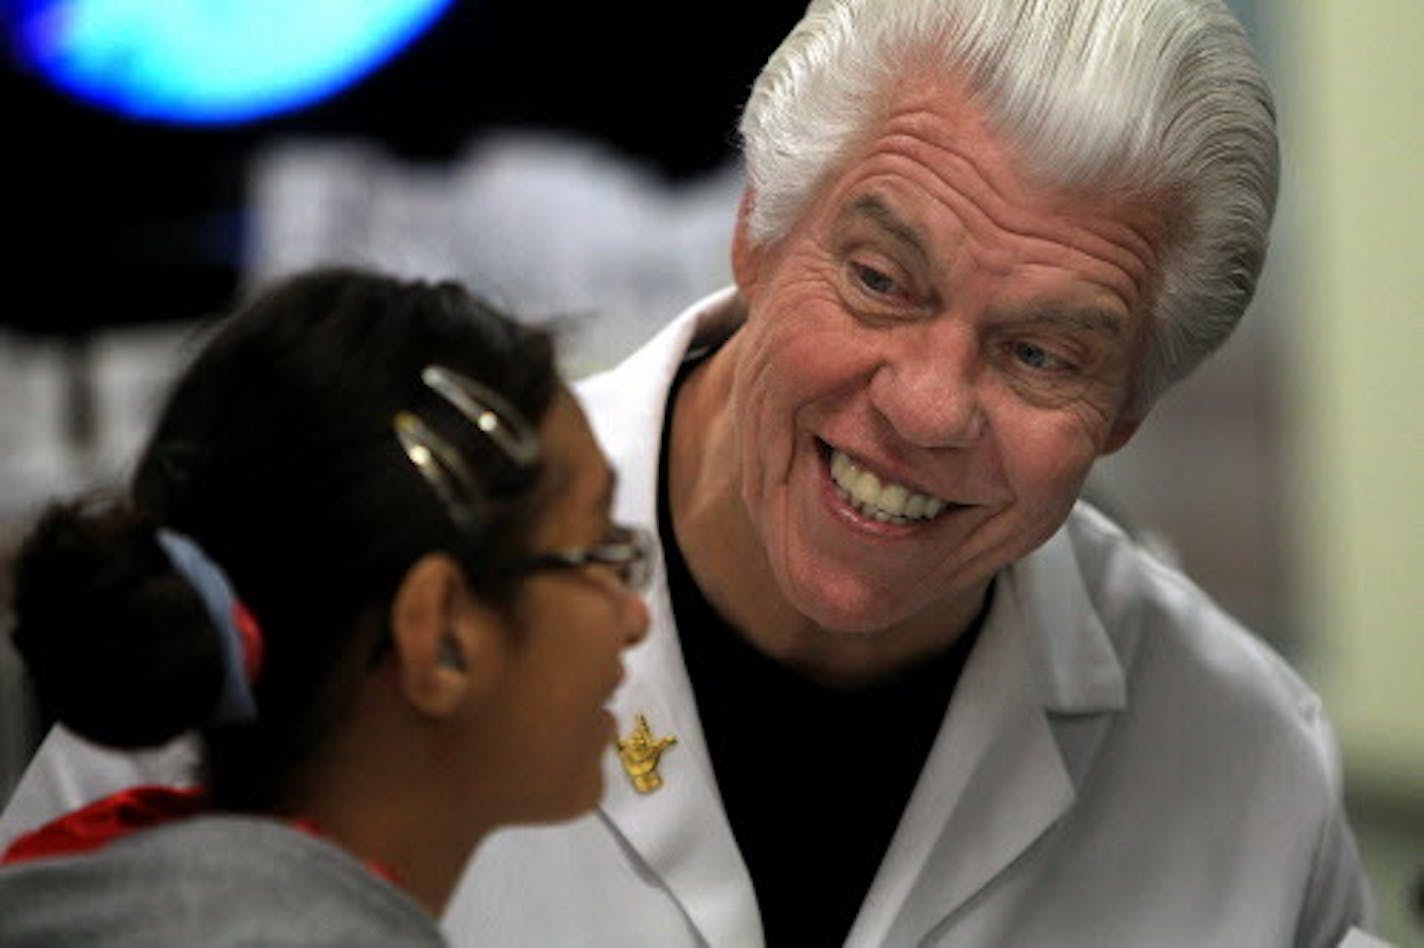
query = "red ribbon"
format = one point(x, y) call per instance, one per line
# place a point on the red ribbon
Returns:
point(250, 634)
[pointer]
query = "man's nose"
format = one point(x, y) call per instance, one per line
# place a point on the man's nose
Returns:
point(928, 391)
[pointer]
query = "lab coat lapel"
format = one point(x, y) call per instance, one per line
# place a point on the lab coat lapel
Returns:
point(996, 778)
point(679, 831)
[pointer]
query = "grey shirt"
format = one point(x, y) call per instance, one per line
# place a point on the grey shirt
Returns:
point(223, 881)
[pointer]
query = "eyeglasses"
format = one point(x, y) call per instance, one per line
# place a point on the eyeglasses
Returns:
point(628, 551)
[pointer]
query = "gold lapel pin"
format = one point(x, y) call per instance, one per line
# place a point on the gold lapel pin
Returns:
point(640, 752)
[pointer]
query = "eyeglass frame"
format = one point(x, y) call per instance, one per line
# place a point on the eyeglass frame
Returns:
point(630, 557)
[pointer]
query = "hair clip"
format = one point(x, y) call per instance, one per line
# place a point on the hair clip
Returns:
point(441, 466)
point(440, 463)
point(488, 411)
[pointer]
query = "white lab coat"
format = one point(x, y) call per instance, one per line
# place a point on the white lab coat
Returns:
point(1122, 765)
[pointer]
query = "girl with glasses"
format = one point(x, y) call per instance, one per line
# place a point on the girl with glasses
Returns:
point(368, 555)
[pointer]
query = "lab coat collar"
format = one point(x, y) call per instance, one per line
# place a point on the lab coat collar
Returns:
point(1075, 666)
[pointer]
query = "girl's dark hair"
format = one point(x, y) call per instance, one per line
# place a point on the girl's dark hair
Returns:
point(275, 452)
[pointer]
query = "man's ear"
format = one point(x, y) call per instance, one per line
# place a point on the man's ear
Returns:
point(1122, 431)
point(448, 647)
point(746, 254)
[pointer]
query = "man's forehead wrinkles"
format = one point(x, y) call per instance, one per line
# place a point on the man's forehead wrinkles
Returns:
point(986, 164)
point(976, 190)
point(982, 204)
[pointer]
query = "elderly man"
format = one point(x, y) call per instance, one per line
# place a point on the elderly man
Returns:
point(900, 687)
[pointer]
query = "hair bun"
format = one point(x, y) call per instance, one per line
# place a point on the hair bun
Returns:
point(119, 647)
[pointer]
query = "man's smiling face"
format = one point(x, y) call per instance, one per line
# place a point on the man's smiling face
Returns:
point(934, 356)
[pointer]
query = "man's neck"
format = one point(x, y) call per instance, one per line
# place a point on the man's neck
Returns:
point(727, 560)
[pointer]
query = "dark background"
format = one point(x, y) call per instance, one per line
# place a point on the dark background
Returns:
point(119, 222)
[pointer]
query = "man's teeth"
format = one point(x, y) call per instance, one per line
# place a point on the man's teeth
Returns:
point(890, 503)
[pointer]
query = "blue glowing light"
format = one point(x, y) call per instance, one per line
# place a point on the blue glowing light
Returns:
point(213, 61)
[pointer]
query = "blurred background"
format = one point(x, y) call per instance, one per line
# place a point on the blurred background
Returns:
point(578, 161)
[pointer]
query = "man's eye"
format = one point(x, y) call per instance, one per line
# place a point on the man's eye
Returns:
point(874, 280)
point(1037, 357)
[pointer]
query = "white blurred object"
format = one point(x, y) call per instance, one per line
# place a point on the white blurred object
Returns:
point(546, 226)
point(126, 373)
point(37, 458)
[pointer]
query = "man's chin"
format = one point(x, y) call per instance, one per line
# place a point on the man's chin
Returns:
point(847, 607)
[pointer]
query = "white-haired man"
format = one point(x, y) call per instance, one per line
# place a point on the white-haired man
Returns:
point(900, 688)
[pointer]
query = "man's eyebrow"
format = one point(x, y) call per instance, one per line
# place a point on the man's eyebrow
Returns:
point(1084, 318)
point(872, 208)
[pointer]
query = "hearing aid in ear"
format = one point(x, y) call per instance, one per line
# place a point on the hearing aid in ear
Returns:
point(449, 654)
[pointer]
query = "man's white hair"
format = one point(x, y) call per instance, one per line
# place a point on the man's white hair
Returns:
point(1157, 100)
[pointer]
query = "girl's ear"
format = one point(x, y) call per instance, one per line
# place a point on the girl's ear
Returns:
point(448, 647)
